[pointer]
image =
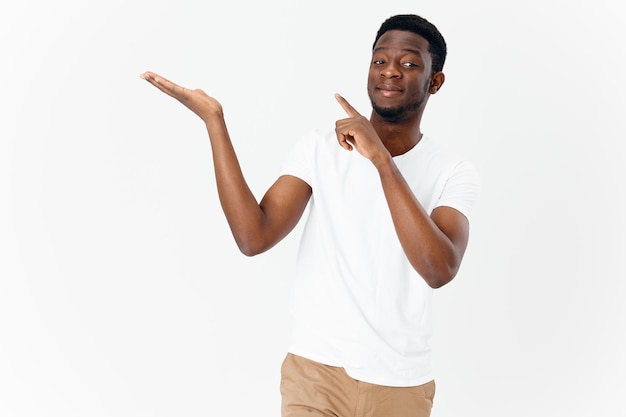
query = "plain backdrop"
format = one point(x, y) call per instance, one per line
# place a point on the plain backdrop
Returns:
point(122, 292)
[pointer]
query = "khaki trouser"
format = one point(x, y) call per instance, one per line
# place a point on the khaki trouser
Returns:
point(311, 389)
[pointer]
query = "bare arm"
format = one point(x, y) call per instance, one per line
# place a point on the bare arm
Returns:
point(434, 244)
point(256, 226)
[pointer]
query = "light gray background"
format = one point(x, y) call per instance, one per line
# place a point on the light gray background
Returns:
point(122, 292)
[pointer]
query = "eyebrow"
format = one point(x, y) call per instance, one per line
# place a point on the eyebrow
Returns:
point(414, 51)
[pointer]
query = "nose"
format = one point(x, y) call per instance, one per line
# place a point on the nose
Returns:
point(390, 70)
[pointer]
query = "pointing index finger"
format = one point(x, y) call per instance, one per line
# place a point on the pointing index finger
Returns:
point(346, 106)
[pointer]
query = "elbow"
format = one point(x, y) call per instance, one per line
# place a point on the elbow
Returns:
point(251, 247)
point(438, 274)
point(439, 281)
point(440, 267)
point(250, 243)
point(249, 250)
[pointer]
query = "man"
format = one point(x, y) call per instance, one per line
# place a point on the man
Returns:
point(386, 225)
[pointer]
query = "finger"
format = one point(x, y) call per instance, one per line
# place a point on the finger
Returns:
point(165, 85)
point(346, 106)
point(343, 142)
point(343, 136)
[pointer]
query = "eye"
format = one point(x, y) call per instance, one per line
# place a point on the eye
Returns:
point(378, 62)
point(410, 64)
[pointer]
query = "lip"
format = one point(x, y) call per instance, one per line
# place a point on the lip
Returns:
point(389, 90)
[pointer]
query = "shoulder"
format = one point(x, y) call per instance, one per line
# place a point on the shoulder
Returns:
point(447, 159)
point(306, 154)
point(316, 143)
point(433, 159)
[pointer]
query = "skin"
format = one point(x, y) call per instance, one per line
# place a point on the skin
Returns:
point(400, 82)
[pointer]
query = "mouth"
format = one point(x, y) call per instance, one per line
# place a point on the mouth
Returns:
point(389, 90)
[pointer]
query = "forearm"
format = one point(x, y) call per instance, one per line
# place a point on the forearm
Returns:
point(431, 253)
point(241, 208)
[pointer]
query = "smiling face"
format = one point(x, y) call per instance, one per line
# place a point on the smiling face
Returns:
point(400, 76)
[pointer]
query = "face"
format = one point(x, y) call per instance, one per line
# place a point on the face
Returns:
point(400, 76)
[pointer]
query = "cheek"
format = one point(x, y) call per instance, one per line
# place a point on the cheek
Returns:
point(371, 79)
point(423, 87)
point(371, 83)
point(428, 86)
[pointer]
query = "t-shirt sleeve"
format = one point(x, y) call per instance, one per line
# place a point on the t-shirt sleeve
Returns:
point(462, 189)
point(299, 159)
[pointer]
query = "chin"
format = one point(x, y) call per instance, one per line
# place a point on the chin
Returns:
point(398, 113)
point(391, 114)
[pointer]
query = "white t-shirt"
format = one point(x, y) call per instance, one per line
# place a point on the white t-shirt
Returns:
point(357, 302)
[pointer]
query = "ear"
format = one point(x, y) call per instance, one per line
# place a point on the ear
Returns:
point(436, 82)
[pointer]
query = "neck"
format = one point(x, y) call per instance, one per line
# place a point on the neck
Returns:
point(398, 137)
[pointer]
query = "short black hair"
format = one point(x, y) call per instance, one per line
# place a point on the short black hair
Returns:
point(416, 24)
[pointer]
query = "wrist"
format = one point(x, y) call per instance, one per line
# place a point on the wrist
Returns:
point(213, 117)
point(382, 161)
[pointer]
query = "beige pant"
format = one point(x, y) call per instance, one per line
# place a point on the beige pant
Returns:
point(311, 389)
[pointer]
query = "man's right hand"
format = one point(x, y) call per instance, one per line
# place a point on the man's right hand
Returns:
point(203, 105)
